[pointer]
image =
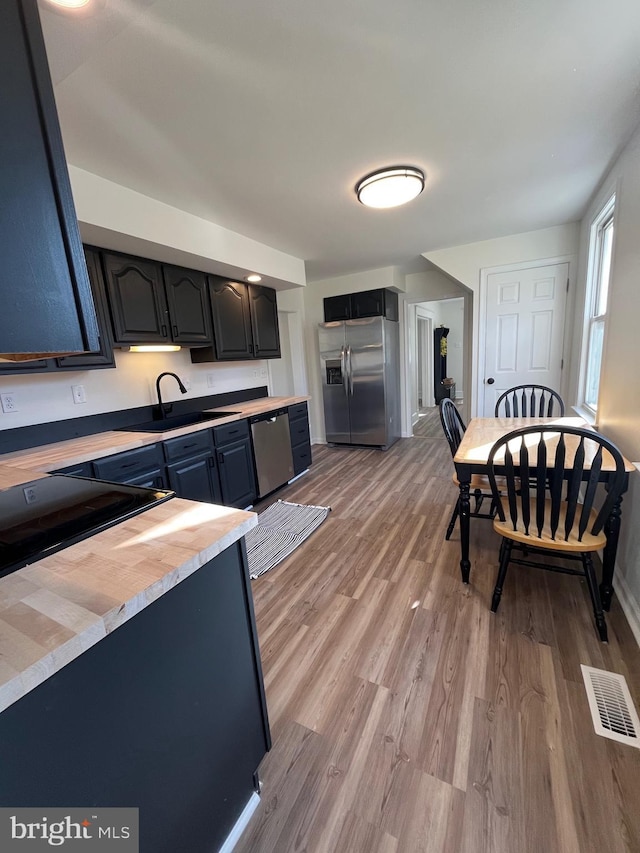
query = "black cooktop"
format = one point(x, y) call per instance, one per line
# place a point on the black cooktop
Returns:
point(43, 516)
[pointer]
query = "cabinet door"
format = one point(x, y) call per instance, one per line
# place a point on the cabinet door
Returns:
point(44, 288)
point(264, 321)
point(231, 319)
point(368, 303)
point(237, 480)
point(188, 303)
point(104, 357)
point(337, 308)
point(135, 292)
point(195, 479)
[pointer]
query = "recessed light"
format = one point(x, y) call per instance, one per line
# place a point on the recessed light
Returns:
point(390, 187)
point(254, 279)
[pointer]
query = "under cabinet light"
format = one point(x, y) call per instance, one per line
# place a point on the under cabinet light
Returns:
point(154, 348)
point(254, 278)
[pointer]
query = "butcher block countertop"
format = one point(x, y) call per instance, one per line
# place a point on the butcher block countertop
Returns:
point(50, 457)
point(55, 609)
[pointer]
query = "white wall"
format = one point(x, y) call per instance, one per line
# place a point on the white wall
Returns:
point(115, 217)
point(465, 263)
point(47, 397)
point(619, 401)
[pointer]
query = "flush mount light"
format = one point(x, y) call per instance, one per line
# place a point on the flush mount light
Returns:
point(390, 187)
point(155, 348)
point(69, 4)
point(254, 279)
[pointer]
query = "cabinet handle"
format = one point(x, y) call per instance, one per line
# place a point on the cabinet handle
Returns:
point(220, 458)
point(129, 465)
point(192, 444)
point(212, 462)
point(175, 332)
point(164, 330)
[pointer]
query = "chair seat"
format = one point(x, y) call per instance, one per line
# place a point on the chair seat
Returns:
point(589, 542)
point(478, 481)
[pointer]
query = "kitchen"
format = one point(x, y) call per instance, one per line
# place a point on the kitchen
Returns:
point(130, 221)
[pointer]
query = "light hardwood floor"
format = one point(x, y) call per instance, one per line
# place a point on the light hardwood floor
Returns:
point(405, 716)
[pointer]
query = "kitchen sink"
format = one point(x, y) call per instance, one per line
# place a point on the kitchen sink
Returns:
point(175, 421)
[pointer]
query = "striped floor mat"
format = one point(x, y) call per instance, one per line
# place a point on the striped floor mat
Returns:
point(281, 528)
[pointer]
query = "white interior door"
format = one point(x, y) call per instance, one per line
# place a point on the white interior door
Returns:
point(524, 330)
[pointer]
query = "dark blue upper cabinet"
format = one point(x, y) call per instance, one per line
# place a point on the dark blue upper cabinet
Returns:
point(47, 305)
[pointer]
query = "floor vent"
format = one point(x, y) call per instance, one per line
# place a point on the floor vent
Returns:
point(612, 709)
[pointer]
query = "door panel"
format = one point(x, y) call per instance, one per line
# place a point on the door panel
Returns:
point(524, 330)
point(188, 305)
point(335, 388)
point(264, 321)
point(365, 355)
point(231, 319)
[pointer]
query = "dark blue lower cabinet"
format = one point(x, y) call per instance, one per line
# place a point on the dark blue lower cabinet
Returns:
point(166, 714)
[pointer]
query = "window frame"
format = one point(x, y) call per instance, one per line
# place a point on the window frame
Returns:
point(592, 320)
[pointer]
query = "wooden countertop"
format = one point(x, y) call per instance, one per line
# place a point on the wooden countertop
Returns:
point(50, 457)
point(56, 608)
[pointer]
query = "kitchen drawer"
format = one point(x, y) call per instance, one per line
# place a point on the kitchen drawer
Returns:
point(82, 469)
point(230, 432)
point(124, 466)
point(188, 445)
point(298, 411)
point(301, 457)
point(299, 430)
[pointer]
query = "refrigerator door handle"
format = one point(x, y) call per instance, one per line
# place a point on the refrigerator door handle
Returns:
point(350, 369)
point(343, 370)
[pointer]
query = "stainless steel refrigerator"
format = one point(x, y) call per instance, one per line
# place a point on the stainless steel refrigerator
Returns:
point(361, 381)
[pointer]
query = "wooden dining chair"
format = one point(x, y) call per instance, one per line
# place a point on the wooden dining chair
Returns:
point(544, 483)
point(529, 401)
point(454, 428)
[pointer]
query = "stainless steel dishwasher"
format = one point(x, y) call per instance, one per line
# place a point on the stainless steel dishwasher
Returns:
point(272, 450)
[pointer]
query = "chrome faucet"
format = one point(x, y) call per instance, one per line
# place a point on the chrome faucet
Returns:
point(165, 408)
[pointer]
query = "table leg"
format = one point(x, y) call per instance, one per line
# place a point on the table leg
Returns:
point(465, 515)
point(612, 531)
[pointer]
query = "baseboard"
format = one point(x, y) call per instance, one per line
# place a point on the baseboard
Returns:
point(240, 825)
point(630, 606)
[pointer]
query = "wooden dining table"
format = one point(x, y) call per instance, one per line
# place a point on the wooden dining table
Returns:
point(472, 458)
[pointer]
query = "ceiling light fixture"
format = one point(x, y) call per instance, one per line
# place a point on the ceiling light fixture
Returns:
point(70, 4)
point(254, 279)
point(390, 187)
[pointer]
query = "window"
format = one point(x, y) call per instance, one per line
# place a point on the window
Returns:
point(598, 275)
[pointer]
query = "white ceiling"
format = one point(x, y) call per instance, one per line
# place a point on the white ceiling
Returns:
point(260, 116)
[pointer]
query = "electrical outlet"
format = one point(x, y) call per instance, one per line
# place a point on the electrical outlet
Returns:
point(30, 495)
point(8, 403)
point(211, 380)
point(79, 395)
point(263, 373)
point(256, 373)
point(187, 384)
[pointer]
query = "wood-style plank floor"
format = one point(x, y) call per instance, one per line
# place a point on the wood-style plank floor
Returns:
point(406, 716)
